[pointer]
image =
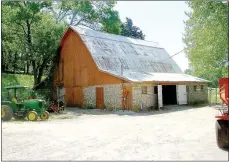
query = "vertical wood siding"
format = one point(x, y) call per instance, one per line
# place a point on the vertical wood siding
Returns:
point(79, 69)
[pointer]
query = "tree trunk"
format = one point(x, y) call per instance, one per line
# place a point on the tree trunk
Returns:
point(34, 72)
point(3, 62)
point(15, 62)
point(29, 40)
point(40, 74)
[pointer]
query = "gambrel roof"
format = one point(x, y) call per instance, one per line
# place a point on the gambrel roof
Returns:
point(132, 59)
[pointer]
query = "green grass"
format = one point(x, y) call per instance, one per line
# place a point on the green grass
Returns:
point(213, 97)
point(16, 79)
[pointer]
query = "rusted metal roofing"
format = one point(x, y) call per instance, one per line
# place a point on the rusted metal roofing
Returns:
point(131, 59)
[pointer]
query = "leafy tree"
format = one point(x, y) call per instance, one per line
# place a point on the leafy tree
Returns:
point(98, 15)
point(206, 38)
point(46, 35)
point(36, 34)
point(129, 30)
point(188, 71)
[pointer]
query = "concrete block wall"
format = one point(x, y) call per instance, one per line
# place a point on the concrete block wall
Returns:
point(198, 96)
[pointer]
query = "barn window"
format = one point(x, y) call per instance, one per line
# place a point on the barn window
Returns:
point(155, 89)
point(202, 87)
point(195, 88)
point(144, 89)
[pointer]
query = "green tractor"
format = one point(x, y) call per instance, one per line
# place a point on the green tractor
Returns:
point(20, 103)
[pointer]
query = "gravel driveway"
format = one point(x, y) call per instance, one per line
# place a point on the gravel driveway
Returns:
point(180, 133)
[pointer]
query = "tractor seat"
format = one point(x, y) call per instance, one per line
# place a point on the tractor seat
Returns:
point(14, 100)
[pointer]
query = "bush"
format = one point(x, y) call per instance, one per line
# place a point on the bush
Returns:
point(199, 104)
point(136, 108)
point(88, 106)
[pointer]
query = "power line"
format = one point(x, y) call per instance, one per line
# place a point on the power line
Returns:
point(174, 55)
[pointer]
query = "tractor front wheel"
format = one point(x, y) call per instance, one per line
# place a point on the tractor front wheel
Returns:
point(32, 116)
point(45, 115)
point(222, 133)
point(7, 113)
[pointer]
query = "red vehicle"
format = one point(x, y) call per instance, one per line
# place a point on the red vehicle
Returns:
point(222, 119)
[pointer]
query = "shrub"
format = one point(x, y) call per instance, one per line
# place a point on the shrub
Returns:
point(136, 108)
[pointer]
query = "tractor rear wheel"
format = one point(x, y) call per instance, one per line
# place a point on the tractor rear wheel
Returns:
point(32, 116)
point(45, 115)
point(222, 133)
point(7, 113)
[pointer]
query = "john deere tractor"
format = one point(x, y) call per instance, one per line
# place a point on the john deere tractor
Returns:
point(20, 103)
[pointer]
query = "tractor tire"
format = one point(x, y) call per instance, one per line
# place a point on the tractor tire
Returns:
point(7, 113)
point(45, 116)
point(222, 133)
point(32, 116)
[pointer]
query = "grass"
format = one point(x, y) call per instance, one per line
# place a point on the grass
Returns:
point(214, 97)
point(16, 79)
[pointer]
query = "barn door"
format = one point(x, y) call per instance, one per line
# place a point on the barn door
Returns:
point(78, 96)
point(127, 98)
point(159, 92)
point(99, 97)
point(181, 94)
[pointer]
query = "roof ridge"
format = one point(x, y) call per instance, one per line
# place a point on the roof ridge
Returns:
point(156, 43)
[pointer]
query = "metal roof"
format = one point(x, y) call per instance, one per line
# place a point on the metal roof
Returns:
point(131, 59)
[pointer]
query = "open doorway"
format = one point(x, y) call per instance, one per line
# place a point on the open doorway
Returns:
point(169, 95)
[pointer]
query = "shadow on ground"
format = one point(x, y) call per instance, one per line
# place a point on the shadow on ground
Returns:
point(76, 112)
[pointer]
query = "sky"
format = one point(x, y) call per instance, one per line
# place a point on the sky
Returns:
point(160, 21)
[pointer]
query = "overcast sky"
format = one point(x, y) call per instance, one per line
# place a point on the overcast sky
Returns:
point(161, 22)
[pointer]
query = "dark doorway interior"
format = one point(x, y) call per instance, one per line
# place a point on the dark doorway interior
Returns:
point(169, 95)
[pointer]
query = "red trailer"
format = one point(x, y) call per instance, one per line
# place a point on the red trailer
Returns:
point(222, 119)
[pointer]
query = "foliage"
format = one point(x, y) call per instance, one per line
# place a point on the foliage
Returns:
point(16, 79)
point(136, 108)
point(34, 33)
point(97, 15)
point(188, 71)
point(206, 38)
point(129, 30)
point(31, 31)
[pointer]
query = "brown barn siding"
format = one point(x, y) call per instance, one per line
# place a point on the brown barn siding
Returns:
point(80, 69)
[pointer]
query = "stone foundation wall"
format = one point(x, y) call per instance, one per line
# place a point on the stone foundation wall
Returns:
point(89, 94)
point(198, 96)
point(112, 96)
point(147, 100)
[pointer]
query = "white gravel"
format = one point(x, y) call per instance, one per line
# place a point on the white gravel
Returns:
point(183, 133)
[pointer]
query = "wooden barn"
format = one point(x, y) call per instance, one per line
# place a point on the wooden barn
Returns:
point(110, 71)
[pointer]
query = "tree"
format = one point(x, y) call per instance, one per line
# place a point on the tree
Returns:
point(206, 38)
point(129, 30)
point(46, 35)
point(188, 71)
point(22, 18)
point(36, 31)
point(98, 15)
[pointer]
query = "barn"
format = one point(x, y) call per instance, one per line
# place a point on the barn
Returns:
point(102, 70)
